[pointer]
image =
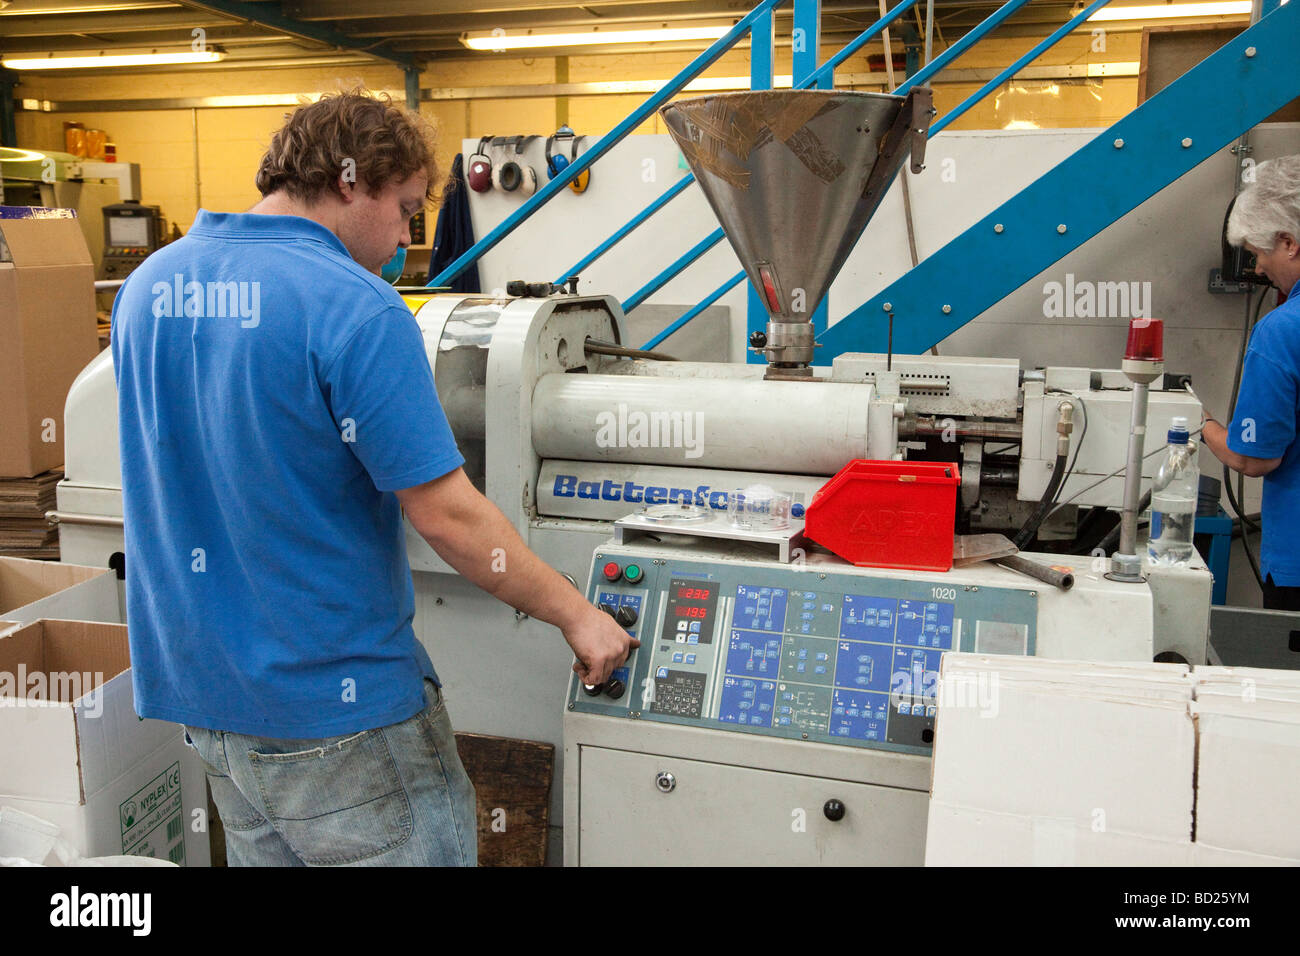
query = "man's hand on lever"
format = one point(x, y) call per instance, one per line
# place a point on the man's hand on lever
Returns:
point(599, 644)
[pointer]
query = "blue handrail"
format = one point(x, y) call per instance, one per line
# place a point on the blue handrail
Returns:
point(1020, 64)
point(664, 198)
point(699, 307)
point(987, 25)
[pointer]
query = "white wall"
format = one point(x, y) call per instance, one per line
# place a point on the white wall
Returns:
point(1172, 241)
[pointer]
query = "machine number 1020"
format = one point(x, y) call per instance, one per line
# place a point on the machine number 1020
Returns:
point(943, 594)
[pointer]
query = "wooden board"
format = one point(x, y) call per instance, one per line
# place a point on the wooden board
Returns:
point(513, 781)
point(1170, 51)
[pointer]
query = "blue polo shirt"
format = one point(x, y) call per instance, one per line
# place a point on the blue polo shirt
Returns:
point(1264, 426)
point(272, 395)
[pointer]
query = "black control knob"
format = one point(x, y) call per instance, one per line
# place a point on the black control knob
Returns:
point(593, 690)
point(834, 810)
point(758, 339)
point(625, 616)
point(610, 610)
point(615, 688)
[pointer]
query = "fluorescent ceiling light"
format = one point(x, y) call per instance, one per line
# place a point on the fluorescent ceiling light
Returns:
point(1164, 11)
point(86, 8)
point(56, 62)
point(502, 40)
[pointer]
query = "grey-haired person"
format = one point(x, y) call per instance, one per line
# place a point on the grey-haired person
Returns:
point(1261, 439)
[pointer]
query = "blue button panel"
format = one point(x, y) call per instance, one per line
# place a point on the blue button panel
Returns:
point(859, 715)
point(861, 666)
point(760, 608)
point(840, 657)
point(868, 618)
point(925, 624)
point(749, 702)
point(753, 654)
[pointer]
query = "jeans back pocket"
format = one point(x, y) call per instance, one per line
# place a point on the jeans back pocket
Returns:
point(337, 803)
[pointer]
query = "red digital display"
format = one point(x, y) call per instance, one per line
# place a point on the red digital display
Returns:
point(693, 594)
point(682, 610)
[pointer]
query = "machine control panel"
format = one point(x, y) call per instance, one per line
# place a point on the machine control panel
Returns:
point(839, 657)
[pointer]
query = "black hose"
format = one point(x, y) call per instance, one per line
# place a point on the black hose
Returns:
point(1247, 525)
point(609, 348)
point(1026, 534)
point(1245, 521)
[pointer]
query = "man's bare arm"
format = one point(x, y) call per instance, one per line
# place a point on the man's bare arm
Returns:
point(474, 537)
point(1215, 437)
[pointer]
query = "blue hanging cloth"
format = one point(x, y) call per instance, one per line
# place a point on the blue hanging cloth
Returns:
point(454, 235)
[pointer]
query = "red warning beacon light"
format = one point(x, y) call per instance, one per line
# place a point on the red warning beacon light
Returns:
point(1146, 341)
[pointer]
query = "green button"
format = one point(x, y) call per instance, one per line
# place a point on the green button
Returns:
point(633, 573)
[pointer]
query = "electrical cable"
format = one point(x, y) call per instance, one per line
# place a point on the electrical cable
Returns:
point(1118, 471)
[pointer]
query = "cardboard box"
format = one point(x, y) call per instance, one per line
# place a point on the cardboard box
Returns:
point(30, 590)
point(47, 336)
point(73, 751)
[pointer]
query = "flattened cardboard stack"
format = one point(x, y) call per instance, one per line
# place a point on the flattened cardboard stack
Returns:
point(1248, 766)
point(24, 532)
point(1069, 763)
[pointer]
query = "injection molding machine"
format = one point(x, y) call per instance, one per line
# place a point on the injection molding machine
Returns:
point(781, 706)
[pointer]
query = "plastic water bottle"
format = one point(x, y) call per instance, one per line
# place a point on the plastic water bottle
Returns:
point(1173, 500)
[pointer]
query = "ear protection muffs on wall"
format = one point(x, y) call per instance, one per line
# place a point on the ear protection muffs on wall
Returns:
point(557, 162)
point(511, 175)
point(478, 171)
point(583, 179)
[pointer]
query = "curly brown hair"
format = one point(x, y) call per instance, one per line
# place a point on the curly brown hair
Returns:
point(354, 131)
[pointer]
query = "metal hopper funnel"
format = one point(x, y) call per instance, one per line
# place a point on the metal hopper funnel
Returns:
point(793, 177)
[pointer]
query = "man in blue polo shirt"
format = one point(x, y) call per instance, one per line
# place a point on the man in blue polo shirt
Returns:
point(277, 412)
point(1261, 439)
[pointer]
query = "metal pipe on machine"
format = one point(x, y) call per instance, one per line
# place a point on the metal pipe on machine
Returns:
point(808, 428)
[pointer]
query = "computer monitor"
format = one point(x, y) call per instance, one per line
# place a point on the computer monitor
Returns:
point(132, 226)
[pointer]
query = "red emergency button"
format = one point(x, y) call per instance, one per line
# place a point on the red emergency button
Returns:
point(612, 571)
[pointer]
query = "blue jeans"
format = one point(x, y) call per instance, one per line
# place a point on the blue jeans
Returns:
point(392, 796)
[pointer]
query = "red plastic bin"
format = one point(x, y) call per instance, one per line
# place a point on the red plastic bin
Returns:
point(888, 514)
